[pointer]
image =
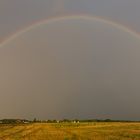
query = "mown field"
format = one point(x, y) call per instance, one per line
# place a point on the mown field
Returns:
point(71, 131)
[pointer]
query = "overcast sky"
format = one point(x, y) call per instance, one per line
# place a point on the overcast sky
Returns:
point(16, 14)
point(72, 68)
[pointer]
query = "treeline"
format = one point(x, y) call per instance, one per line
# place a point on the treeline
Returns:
point(84, 120)
point(88, 120)
point(21, 121)
point(14, 121)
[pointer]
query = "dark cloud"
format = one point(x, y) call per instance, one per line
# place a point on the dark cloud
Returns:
point(71, 69)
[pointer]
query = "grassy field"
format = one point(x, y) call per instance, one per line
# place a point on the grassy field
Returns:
point(71, 131)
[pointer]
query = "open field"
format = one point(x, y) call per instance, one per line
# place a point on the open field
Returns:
point(71, 131)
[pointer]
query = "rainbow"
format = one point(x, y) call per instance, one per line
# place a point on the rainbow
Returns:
point(84, 17)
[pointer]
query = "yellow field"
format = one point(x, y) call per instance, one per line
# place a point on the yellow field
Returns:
point(71, 131)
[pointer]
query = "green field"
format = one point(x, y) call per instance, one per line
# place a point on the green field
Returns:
point(71, 131)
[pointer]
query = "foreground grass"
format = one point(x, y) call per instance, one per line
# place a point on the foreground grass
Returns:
point(70, 131)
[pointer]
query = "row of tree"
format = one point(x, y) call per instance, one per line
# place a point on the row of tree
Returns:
point(14, 121)
point(19, 121)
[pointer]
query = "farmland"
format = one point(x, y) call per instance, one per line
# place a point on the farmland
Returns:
point(71, 131)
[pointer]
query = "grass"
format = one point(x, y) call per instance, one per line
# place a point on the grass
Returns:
point(71, 131)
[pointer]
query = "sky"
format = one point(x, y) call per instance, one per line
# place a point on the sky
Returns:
point(71, 67)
